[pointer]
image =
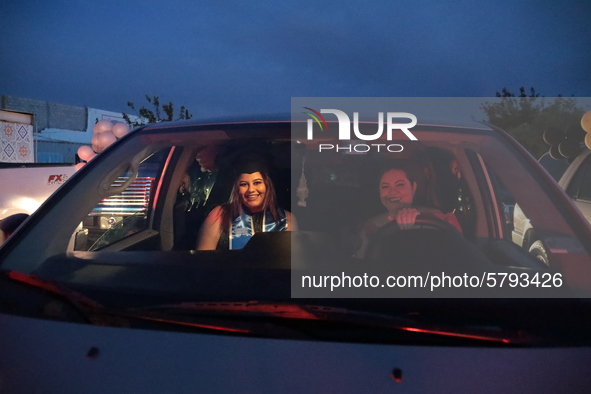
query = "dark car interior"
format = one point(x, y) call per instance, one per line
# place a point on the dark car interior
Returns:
point(341, 193)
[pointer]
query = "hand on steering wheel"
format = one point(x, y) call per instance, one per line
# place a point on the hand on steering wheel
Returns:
point(413, 219)
point(406, 218)
point(387, 239)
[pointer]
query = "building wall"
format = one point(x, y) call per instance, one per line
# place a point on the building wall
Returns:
point(59, 129)
point(56, 152)
point(48, 115)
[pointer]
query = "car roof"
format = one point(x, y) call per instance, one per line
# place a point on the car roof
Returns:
point(246, 119)
point(286, 118)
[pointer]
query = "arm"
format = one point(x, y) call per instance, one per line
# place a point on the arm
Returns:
point(406, 218)
point(451, 218)
point(360, 253)
point(292, 223)
point(211, 230)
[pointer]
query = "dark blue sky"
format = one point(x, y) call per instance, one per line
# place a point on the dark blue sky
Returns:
point(236, 57)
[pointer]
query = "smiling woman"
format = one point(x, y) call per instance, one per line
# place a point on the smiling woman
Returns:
point(252, 191)
point(251, 208)
point(397, 188)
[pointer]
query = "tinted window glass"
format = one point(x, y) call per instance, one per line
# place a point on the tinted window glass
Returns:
point(580, 186)
point(585, 180)
point(555, 167)
point(123, 214)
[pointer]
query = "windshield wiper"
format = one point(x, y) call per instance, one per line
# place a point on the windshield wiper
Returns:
point(215, 315)
point(88, 309)
point(78, 299)
point(322, 313)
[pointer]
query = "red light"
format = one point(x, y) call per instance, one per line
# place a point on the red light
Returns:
point(197, 325)
point(457, 335)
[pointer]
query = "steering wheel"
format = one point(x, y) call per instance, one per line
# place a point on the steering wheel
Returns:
point(423, 221)
point(385, 238)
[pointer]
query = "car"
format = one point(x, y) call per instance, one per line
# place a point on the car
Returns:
point(555, 167)
point(577, 182)
point(574, 179)
point(126, 304)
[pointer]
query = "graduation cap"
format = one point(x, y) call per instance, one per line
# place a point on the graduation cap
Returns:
point(250, 163)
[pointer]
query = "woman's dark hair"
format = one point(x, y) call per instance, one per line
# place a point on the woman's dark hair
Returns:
point(401, 166)
point(233, 208)
point(423, 194)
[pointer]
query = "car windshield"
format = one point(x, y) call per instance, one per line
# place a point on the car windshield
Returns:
point(341, 203)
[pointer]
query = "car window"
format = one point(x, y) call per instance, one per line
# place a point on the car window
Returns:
point(555, 167)
point(477, 196)
point(123, 214)
point(505, 204)
point(580, 185)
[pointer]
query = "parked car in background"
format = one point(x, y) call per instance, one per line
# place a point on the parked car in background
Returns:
point(577, 182)
point(575, 179)
point(135, 307)
point(555, 167)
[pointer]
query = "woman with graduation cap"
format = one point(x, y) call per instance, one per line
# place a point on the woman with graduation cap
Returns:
point(251, 208)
